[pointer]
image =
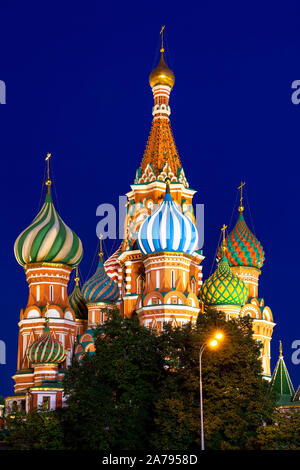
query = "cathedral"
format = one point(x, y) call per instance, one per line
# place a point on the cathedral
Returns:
point(155, 274)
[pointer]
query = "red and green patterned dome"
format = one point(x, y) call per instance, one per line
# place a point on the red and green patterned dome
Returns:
point(243, 248)
point(46, 349)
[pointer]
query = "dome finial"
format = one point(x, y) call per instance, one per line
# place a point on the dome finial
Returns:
point(48, 181)
point(46, 328)
point(162, 50)
point(280, 349)
point(162, 75)
point(224, 247)
point(77, 277)
point(101, 251)
point(241, 207)
point(168, 182)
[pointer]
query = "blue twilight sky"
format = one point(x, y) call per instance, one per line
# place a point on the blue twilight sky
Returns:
point(76, 77)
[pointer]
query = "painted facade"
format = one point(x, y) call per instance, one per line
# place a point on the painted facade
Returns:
point(156, 273)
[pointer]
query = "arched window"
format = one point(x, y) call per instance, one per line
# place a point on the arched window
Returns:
point(37, 293)
point(51, 292)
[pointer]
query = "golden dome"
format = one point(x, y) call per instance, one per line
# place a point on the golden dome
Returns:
point(162, 75)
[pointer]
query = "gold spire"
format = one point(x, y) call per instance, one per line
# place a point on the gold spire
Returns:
point(168, 183)
point(47, 316)
point(241, 207)
point(280, 349)
point(77, 278)
point(224, 247)
point(162, 38)
point(100, 252)
point(48, 181)
point(162, 75)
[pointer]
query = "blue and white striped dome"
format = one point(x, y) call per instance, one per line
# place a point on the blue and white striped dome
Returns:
point(167, 229)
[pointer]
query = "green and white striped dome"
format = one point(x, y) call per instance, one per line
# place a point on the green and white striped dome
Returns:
point(46, 349)
point(48, 239)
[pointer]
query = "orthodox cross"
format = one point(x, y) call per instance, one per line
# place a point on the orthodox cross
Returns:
point(223, 230)
point(48, 161)
point(241, 188)
point(48, 181)
point(101, 252)
point(47, 315)
point(162, 38)
point(77, 277)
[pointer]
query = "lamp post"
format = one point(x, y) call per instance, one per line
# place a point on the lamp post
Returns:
point(212, 343)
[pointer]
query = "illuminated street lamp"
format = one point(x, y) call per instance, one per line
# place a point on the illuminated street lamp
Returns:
point(213, 343)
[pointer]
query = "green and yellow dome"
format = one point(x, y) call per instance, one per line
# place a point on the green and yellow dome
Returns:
point(48, 239)
point(223, 287)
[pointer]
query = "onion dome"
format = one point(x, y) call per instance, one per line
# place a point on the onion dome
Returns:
point(167, 229)
point(223, 287)
point(162, 75)
point(100, 287)
point(48, 239)
point(77, 301)
point(46, 349)
point(243, 247)
point(111, 264)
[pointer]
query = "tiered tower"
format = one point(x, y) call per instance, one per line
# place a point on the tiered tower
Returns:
point(160, 162)
point(45, 354)
point(48, 250)
point(246, 257)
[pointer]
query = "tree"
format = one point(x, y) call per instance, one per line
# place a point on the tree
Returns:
point(41, 430)
point(236, 399)
point(140, 390)
point(111, 394)
point(282, 433)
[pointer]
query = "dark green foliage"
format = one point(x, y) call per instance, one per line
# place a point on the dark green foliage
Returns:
point(112, 394)
point(236, 400)
point(42, 430)
point(140, 391)
point(283, 433)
